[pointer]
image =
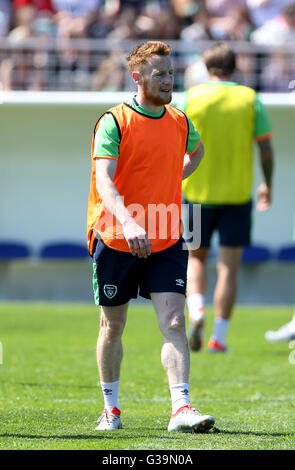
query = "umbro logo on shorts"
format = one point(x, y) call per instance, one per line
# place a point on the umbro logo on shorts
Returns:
point(179, 282)
point(110, 290)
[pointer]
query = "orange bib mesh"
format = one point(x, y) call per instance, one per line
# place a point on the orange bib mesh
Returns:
point(148, 177)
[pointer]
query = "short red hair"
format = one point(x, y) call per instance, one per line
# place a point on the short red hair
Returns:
point(140, 55)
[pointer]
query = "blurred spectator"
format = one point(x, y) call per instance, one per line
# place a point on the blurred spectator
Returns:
point(279, 72)
point(186, 8)
point(124, 25)
point(246, 70)
point(6, 66)
point(239, 26)
point(31, 16)
point(5, 16)
point(280, 69)
point(112, 7)
point(70, 67)
point(102, 24)
point(73, 17)
point(220, 8)
point(200, 27)
point(23, 21)
point(145, 20)
point(135, 4)
point(229, 19)
point(31, 19)
point(279, 30)
point(39, 5)
point(166, 26)
point(110, 75)
point(261, 11)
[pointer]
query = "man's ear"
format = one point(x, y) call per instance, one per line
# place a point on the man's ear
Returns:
point(136, 76)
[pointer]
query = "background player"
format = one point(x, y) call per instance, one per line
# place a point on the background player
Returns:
point(228, 117)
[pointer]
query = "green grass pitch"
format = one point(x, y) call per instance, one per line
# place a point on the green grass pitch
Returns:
point(50, 399)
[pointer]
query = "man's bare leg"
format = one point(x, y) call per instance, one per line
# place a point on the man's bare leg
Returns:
point(109, 351)
point(176, 362)
point(169, 307)
point(227, 276)
point(225, 292)
point(109, 357)
point(196, 272)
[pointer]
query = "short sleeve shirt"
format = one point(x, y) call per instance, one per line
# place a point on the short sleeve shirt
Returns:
point(107, 138)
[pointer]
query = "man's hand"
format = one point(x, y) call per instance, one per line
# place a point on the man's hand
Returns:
point(263, 197)
point(136, 238)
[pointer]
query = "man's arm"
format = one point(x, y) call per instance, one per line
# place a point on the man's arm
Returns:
point(191, 162)
point(264, 189)
point(134, 234)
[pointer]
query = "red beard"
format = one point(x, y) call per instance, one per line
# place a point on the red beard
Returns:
point(155, 100)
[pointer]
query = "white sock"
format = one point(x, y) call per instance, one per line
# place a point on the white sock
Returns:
point(179, 396)
point(110, 391)
point(220, 329)
point(195, 303)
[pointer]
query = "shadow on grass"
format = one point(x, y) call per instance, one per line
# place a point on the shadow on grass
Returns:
point(252, 433)
point(117, 436)
point(111, 435)
point(50, 385)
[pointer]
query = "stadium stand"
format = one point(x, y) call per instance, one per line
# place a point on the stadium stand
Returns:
point(286, 253)
point(68, 45)
point(256, 254)
point(64, 250)
point(13, 250)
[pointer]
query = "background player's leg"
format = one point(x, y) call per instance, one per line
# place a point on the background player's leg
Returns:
point(196, 275)
point(227, 276)
point(225, 291)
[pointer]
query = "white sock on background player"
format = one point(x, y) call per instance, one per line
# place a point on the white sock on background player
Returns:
point(195, 303)
point(220, 330)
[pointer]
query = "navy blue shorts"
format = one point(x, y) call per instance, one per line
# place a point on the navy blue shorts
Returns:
point(119, 276)
point(232, 221)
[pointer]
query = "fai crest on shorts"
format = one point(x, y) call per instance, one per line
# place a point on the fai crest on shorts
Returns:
point(110, 291)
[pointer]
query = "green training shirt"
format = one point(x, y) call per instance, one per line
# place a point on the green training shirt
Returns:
point(107, 138)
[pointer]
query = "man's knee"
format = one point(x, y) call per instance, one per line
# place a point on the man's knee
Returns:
point(228, 272)
point(112, 328)
point(172, 322)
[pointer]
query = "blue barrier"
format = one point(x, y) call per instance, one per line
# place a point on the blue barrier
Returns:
point(64, 250)
point(13, 250)
point(256, 254)
point(286, 253)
